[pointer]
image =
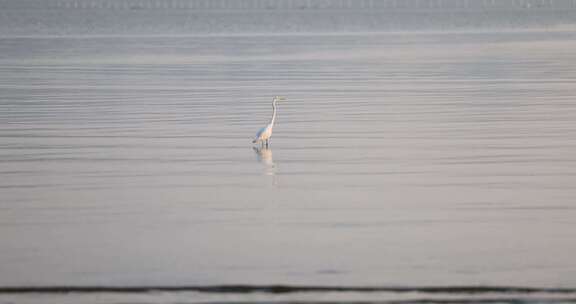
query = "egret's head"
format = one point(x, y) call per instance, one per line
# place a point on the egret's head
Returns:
point(278, 98)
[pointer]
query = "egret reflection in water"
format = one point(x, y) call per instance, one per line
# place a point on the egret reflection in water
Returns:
point(264, 156)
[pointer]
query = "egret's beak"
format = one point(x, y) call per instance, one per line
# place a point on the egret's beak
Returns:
point(281, 98)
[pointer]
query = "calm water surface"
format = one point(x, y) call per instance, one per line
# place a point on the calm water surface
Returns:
point(397, 159)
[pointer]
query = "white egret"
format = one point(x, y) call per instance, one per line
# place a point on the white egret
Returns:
point(264, 134)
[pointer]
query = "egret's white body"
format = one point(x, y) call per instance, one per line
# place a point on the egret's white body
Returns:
point(263, 136)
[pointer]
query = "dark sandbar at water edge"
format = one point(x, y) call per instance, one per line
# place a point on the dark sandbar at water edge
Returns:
point(280, 289)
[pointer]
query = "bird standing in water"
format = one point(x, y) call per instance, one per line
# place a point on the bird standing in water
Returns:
point(264, 134)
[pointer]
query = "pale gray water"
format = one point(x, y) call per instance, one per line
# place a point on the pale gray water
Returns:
point(399, 159)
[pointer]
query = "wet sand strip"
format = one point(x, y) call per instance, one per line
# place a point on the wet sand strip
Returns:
point(282, 289)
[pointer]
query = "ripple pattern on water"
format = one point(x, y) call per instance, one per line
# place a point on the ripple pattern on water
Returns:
point(397, 159)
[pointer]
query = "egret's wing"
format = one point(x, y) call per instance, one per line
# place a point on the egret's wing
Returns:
point(259, 134)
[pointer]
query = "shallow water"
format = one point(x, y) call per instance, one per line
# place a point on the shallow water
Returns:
point(398, 159)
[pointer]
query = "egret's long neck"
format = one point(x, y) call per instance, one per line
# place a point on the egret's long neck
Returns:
point(273, 112)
